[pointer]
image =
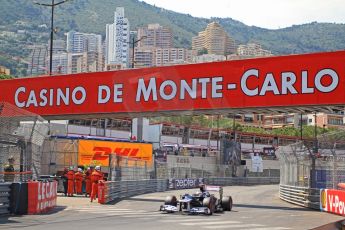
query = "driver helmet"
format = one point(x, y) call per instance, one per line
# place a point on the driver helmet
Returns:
point(202, 187)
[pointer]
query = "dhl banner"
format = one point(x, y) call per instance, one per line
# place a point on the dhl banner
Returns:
point(294, 80)
point(92, 152)
point(332, 201)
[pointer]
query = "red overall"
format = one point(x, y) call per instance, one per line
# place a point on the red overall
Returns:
point(95, 177)
point(88, 182)
point(70, 185)
point(78, 182)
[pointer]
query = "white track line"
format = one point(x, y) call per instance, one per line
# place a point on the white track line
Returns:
point(236, 226)
point(212, 223)
point(187, 220)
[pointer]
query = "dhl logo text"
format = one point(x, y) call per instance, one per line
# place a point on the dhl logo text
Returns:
point(102, 153)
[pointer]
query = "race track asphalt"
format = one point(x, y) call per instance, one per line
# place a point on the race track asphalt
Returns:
point(255, 208)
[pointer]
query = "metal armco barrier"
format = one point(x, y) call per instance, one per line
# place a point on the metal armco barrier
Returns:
point(5, 198)
point(114, 190)
point(302, 196)
point(109, 191)
point(228, 181)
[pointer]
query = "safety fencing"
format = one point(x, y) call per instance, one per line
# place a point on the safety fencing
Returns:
point(308, 167)
point(302, 196)
point(22, 134)
point(115, 190)
point(5, 198)
point(314, 165)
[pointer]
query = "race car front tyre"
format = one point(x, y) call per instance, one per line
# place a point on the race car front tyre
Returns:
point(171, 200)
point(227, 203)
point(209, 203)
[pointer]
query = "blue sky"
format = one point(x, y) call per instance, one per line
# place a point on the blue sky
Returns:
point(272, 14)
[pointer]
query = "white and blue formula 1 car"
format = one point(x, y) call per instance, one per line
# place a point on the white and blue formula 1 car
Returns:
point(201, 202)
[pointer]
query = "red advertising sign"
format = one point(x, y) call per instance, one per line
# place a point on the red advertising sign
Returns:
point(295, 80)
point(332, 201)
point(41, 196)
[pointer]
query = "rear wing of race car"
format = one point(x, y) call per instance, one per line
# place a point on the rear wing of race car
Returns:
point(213, 188)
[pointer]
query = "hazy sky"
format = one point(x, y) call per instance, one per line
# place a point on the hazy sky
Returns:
point(271, 14)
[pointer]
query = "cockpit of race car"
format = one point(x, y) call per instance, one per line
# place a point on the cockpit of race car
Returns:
point(202, 202)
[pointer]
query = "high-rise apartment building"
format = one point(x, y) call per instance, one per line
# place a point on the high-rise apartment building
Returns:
point(76, 42)
point(170, 56)
point(82, 42)
point(143, 57)
point(155, 47)
point(117, 40)
point(214, 40)
point(85, 52)
point(155, 35)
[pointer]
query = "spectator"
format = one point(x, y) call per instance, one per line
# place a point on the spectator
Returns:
point(65, 181)
point(9, 170)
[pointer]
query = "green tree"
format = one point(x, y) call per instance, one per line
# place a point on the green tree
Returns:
point(202, 51)
point(4, 76)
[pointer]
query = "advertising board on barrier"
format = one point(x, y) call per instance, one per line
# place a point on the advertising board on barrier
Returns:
point(41, 196)
point(332, 201)
point(97, 152)
point(294, 80)
point(185, 183)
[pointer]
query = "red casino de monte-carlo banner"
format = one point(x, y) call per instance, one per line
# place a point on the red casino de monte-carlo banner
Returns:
point(295, 80)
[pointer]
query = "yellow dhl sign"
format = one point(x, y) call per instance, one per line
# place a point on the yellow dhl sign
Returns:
point(94, 152)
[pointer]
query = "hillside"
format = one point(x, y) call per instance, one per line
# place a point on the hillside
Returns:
point(92, 16)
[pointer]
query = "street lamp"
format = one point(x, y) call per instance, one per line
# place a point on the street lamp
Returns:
point(133, 44)
point(52, 5)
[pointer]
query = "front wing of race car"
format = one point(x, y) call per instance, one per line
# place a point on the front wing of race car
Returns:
point(199, 210)
point(168, 208)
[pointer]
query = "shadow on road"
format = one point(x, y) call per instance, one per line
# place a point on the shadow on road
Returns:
point(6, 218)
point(144, 199)
point(273, 207)
point(56, 209)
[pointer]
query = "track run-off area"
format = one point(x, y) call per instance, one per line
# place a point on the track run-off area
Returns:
point(255, 208)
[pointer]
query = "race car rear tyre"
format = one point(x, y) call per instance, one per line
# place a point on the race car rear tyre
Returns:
point(171, 200)
point(227, 203)
point(209, 202)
